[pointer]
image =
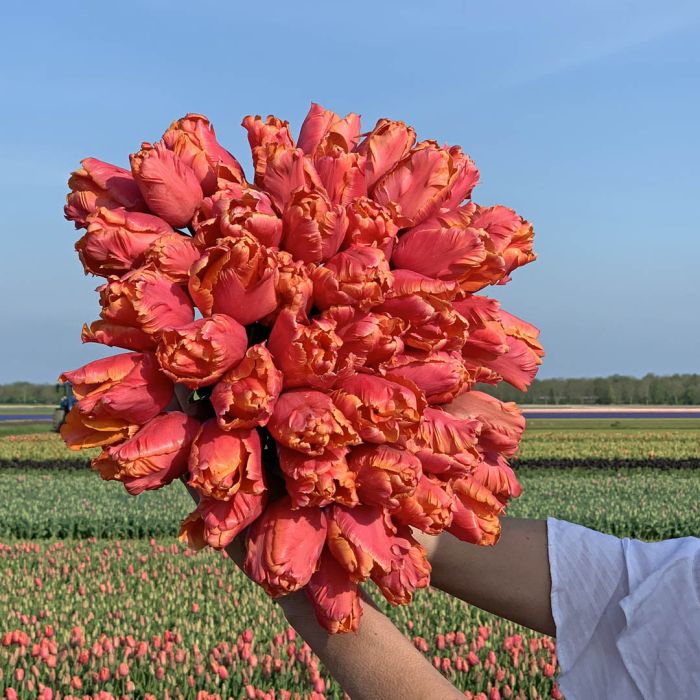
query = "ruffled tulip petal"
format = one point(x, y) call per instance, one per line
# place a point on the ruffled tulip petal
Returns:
point(284, 546)
point(157, 454)
point(221, 463)
point(235, 277)
point(334, 596)
point(201, 352)
point(98, 184)
point(309, 422)
point(477, 511)
point(168, 185)
point(116, 240)
point(247, 393)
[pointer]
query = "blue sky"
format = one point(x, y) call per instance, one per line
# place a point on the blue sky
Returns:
point(582, 116)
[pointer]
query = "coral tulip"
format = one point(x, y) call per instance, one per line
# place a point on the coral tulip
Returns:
point(193, 141)
point(157, 454)
point(116, 395)
point(384, 147)
point(313, 227)
point(384, 474)
point(98, 184)
point(363, 539)
point(235, 277)
point(367, 338)
point(247, 393)
point(309, 422)
point(116, 240)
point(221, 463)
point(168, 185)
point(381, 410)
point(173, 256)
point(358, 276)
point(201, 352)
point(284, 546)
point(407, 574)
point(307, 354)
point(136, 308)
point(440, 376)
point(372, 224)
point(237, 209)
point(476, 513)
point(217, 523)
point(334, 596)
point(317, 481)
point(429, 508)
point(322, 125)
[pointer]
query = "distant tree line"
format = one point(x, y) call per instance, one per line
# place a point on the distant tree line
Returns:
point(676, 389)
point(26, 392)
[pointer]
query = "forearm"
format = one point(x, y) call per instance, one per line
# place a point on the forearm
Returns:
point(377, 661)
point(510, 579)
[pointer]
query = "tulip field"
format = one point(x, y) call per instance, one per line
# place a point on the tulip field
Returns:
point(101, 601)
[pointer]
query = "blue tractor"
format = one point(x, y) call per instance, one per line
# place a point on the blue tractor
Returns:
point(67, 402)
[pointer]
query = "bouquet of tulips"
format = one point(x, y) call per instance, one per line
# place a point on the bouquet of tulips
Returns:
point(324, 318)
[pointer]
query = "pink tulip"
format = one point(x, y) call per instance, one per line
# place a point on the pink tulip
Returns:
point(247, 393)
point(293, 287)
point(172, 255)
point(421, 182)
point(342, 174)
point(476, 515)
point(363, 539)
point(387, 144)
point(443, 433)
point(441, 376)
point(157, 454)
point(442, 253)
point(116, 395)
point(217, 523)
point(371, 224)
point(384, 474)
point(502, 424)
point(281, 171)
point(521, 363)
point(235, 277)
point(116, 240)
point(313, 227)
point(169, 186)
point(98, 184)
point(408, 572)
point(334, 596)
point(201, 352)
point(433, 323)
point(429, 508)
point(284, 546)
point(309, 422)
point(136, 308)
point(221, 463)
point(381, 410)
point(307, 354)
point(322, 126)
point(358, 276)
point(270, 131)
point(317, 481)
point(367, 338)
point(193, 141)
point(236, 209)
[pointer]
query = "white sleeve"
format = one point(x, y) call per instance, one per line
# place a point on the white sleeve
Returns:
point(627, 614)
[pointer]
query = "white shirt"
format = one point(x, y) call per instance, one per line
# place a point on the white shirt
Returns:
point(627, 615)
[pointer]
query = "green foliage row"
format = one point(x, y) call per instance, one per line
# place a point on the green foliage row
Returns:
point(676, 389)
point(642, 503)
